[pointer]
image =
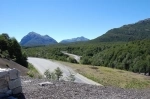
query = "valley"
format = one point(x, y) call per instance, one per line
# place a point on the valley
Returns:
point(130, 56)
point(75, 49)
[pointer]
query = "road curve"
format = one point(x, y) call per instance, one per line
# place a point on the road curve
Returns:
point(43, 64)
point(76, 57)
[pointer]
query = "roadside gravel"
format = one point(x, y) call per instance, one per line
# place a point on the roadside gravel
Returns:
point(71, 90)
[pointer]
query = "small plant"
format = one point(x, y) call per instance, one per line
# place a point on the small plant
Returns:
point(53, 75)
point(58, 73)
point(47, 74)
point(33, 72)
point(30, 74)
point(71, 77)
point(40, 76)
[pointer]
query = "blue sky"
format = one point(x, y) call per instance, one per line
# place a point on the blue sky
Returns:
point(64, 19)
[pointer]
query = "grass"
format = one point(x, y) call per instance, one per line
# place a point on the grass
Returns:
point(33, 72)
point(112, 77)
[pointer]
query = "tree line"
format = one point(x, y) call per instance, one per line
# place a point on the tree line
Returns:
point(11, 49)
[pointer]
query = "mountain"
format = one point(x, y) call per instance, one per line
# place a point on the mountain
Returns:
point(78, 39)
point(35, 39)
point(137, 31)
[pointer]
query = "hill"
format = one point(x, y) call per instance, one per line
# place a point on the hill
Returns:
point(11, 55)
point(35, 39)
point(4, 63)
point(78, 39)
point(137, 31)
point(11, 49)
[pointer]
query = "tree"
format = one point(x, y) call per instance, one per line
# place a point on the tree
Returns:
point(148, 64)
point(58, 73)
point(6, 36)
point(23, 60)
point(3, 43)
point(16, 52)
point(47, 74)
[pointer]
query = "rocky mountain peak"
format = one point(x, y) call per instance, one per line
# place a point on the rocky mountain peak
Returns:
point(35, 39)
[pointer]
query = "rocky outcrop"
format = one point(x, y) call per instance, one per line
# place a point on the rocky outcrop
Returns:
point(10, 82)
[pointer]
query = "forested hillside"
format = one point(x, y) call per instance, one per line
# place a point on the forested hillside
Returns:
point(10, 49)
point(127, 47)
point(132, 56)
point(136, 31)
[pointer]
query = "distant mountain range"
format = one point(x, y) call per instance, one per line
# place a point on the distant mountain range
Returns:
point(35, 39)
point(78, 39)
point(137, 31)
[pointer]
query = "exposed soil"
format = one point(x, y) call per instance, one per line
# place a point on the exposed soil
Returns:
point(4, 63)
point(71, 90)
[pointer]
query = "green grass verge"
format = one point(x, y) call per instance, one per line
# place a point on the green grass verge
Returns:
point(33, 72)
point(112, 77)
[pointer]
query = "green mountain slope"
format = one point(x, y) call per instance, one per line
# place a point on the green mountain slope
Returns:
point(130, 32)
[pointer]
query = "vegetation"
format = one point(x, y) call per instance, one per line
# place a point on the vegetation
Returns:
point(55, 75)
point(58, 73)
point(71, 77)
point(131, 56)
point(50, 75)
point(33, 72)
point(46, 52)
point(10, 48)
point(111, 77)
point(128, 51)
point(131, 32)
point(47, 74)
point(71, 60)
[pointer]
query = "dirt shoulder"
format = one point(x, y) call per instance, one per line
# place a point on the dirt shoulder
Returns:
point(4, 63)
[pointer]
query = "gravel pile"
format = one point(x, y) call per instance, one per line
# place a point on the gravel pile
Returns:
point(70, 90)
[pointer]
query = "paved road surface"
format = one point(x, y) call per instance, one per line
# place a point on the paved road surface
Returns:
point(43, 64)
point(76, 57)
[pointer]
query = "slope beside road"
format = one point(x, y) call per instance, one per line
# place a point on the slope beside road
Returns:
point(43, 64)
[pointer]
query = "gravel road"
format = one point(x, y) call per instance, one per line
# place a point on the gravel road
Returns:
point(71, 90)
point(76, 57)
point(43, 64)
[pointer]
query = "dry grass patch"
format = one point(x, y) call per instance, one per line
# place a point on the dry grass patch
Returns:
point(112, 77)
